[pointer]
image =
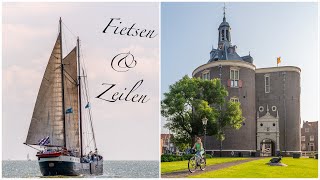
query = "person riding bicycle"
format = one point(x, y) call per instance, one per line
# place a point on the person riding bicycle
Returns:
point(198, 147)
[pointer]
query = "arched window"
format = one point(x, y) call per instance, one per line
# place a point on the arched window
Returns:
point(222, 36)
point(227, 35)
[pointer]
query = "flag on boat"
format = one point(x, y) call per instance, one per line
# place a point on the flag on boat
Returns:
point(44, 141)
point(69, 110)
point(87, 106)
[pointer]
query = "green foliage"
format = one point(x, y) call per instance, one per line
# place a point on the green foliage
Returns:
point(172, 157)
point(167, 167)
point(189, 100)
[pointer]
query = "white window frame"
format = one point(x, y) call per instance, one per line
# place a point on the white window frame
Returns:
point(206, 75)
point(312, 138)
point(303, 146)
point(306, 130)
point(267, 87)
point(303, 138)
point(233, 78)
point(234, 99)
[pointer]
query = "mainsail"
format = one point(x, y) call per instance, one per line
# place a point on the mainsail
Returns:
point(47, 118)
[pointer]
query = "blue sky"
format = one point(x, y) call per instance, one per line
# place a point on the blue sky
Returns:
point(267, 30)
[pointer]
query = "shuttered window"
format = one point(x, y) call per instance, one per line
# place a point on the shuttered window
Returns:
point(234, 77)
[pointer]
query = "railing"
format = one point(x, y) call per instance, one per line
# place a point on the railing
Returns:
point(308, 153)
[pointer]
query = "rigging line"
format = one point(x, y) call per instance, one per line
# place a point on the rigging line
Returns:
point(89, 110)
point(85, 80)
point(69, 30)
point(85, 122)
point(65, 41)
point(86, 88)
point(87, 96)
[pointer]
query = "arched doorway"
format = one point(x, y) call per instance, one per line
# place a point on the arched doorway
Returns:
point(267, 147)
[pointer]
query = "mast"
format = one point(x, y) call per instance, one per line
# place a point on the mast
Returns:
point(79, 87)
point(62, 86)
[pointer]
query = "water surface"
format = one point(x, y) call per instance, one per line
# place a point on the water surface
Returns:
point(112, 169)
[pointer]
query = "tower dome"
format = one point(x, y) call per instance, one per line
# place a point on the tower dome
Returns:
point(224, 32)
point(225, 49)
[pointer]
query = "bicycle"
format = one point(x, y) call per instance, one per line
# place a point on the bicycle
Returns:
point(196, 161)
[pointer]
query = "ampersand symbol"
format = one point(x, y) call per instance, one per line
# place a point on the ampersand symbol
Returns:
point(125, 61)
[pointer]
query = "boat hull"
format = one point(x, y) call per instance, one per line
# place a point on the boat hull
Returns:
point(69, 166)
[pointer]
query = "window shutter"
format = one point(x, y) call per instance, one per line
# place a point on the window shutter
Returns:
point(229, 82)
point(240, 83)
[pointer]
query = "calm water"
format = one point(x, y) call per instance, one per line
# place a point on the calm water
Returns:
point(112, 169)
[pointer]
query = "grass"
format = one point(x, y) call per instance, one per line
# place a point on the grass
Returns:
point(297, 168)
point(167, 167)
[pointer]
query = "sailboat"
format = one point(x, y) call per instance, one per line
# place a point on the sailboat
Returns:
point(56, 128)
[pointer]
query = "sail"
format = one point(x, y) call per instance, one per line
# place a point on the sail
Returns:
point(47, 117)
point(71, 100)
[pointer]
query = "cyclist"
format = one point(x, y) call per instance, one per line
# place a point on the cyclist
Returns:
point(198, 147)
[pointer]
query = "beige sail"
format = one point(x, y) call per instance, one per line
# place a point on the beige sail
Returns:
point(71, 100)
point(47, 117)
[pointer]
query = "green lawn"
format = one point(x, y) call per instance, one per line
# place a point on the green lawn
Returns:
point(183, 165)
point(297, 168)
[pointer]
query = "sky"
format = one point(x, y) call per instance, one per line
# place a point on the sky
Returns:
point(266, 30)
point(124, 130)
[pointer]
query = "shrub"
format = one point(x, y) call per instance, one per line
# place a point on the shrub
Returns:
point(172, 157)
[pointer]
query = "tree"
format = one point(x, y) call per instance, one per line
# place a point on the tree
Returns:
point(189, 100)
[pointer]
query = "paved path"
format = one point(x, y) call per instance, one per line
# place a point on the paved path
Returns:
point(185, 173)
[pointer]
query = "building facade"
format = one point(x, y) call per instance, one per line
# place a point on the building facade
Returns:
point(166, 145)
point(309, 136)
point(269, 98)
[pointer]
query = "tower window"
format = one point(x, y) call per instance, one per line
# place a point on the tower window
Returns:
point(261, 124)
point(234, 77)
point(227, 35)
point(206, 75)
point(267, 83)
point(274, 124)
point(222, 37)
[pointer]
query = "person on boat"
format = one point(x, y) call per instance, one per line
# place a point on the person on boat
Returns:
point(198, 147)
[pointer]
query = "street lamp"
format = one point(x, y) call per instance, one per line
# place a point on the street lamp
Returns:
point(204, 122)
point(220, 108)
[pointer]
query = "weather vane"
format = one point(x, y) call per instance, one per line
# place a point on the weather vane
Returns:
point(224, 10)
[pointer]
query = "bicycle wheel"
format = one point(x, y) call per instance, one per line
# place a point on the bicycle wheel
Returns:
point(192, 164)
point(203, 163)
